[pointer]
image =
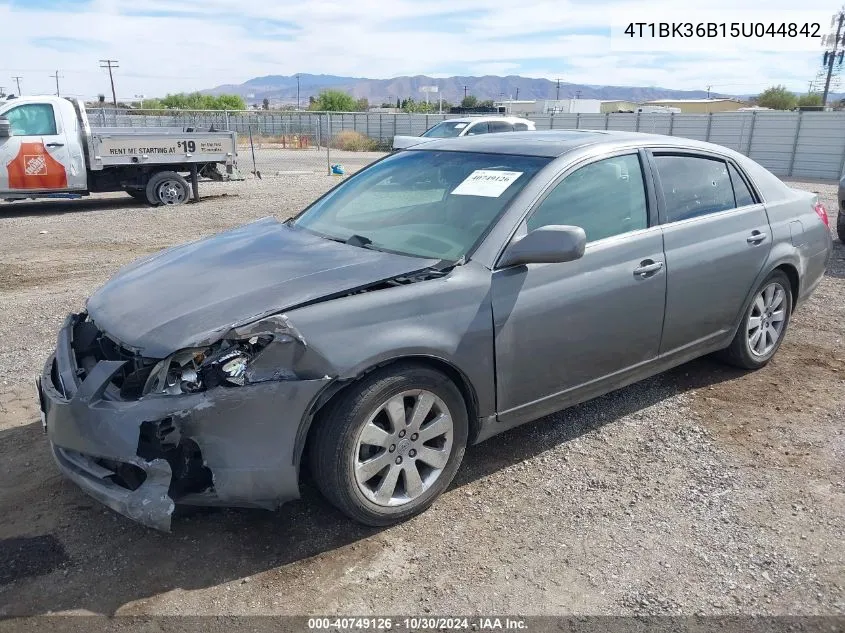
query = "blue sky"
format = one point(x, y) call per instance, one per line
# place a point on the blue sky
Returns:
point(163, 46)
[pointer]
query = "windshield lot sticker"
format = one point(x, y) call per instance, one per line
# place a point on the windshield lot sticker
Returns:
point(488, 183)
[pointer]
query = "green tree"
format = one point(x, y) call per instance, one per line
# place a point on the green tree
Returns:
point(812, 99)
point(469, 101)
point(362, 105)
point(418, 107)
point(777, 98)
point(197, 101)
point(228, 102)
point(334, 101)
point(486, 104)
point(265, 104)
point(398, 104)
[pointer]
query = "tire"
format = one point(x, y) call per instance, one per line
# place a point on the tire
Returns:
point(840, 226)
point(357, 428)
point(167, 188)
point(751, 349)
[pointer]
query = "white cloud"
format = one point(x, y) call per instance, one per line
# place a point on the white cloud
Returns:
point(211, 42)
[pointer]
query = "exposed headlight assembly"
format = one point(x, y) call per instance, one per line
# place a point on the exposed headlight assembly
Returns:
point(197, 369)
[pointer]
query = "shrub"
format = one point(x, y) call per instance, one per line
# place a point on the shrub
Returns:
point(352, 141)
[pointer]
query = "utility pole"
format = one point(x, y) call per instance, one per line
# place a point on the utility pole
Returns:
point(517, 94)
point(18, 81)
point(708, 92)
point(465, 91)
point(830, 56)
point(557, 93)
point(110, 63)
point(57, 76)
point(577, 94)
point(2, 89)
point(297, 91)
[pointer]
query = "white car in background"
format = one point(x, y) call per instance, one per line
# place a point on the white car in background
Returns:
point(466, 126)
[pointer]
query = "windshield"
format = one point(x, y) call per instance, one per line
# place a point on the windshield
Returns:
point(422, 203)
point(446, 129)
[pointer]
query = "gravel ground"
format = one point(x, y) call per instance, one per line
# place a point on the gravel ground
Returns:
point(704, 490)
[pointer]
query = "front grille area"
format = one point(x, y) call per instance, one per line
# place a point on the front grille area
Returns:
point(90, 346)
point(160, 439)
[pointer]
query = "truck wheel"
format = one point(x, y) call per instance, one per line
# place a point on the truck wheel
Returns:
point(840, 226)
point(167, 187)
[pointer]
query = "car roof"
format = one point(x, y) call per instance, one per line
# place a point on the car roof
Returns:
point(493, 117)
point(554, 143)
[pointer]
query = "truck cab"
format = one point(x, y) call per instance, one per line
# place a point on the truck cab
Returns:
point(40, 146)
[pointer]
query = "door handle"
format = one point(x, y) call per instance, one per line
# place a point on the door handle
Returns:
point(647, 268)
point(756, 237)
point(55, 145)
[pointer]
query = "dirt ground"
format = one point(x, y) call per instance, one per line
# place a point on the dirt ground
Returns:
point(704, 490)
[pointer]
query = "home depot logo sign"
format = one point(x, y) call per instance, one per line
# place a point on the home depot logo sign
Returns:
point(33, 168)
point(35, 165)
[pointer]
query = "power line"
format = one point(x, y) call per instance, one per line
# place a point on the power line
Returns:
point(57, 76)
point(18, 81)
point(830, 55)
point(110, 63)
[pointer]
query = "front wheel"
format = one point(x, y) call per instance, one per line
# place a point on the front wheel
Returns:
point(764, 325)
point(390, 444)
point(168, 188)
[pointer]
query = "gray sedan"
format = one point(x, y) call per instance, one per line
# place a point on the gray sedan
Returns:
point(436, 298)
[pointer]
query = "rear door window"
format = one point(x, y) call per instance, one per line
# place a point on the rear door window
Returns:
point(694, 186)
point(500, 126)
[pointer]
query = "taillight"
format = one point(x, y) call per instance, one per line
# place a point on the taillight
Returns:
point(822, 213)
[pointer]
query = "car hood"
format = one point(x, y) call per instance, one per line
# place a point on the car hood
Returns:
point(403, 142)
point(180, 296)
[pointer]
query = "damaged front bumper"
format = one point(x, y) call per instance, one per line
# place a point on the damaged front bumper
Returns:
point(225, 446)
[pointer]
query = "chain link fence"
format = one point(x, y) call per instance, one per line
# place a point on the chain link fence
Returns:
point(800, 144)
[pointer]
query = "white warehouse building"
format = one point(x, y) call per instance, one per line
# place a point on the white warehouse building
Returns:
point(550, 106)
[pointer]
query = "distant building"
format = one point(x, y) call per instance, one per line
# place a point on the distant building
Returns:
point(516, 107)
point(699, 106)
point(618, 106)
point(549, 106)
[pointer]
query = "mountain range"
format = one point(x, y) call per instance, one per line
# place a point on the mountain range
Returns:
point(283, 89)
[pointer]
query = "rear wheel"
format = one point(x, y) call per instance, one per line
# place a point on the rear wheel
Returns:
point(168, 188)
point(764, 325)
point(390, 444)
point(840, 226)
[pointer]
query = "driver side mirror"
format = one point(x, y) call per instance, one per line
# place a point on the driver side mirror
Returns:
point(5, 128)
point(552, 244)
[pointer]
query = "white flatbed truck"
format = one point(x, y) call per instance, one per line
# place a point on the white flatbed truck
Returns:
point(49, 150)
